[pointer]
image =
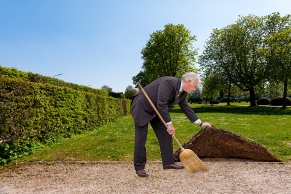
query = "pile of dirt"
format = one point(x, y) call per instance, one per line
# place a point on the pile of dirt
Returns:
point(217, 143)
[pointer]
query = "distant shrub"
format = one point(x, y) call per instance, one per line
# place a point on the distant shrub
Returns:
point(264, 101)
point(194, 100)
point(279, 101)
point(225, 99)
point(215, 102)
point(115, 94)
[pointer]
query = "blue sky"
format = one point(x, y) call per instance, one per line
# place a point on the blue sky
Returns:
point(99, 42)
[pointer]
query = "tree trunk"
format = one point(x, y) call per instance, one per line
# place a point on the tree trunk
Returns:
point(252, 97)
point(211, 101)
point(228, 98)
point(285, 94)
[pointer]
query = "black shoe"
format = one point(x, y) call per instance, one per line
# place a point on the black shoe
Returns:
point(173, 166)
point(142, 173)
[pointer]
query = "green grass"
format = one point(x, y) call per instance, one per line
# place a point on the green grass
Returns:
point(268, 126)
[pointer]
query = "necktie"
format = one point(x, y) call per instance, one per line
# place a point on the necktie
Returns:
point(178, 94)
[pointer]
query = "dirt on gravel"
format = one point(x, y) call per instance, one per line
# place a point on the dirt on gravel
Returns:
point(244, 174)
point(225, 176)
point(217, 143)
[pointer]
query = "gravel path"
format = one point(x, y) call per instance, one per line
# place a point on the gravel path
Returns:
point(227, 177)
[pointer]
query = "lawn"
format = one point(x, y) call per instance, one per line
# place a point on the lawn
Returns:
point(269, 126)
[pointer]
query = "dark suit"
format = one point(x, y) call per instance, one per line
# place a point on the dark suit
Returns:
point(163, 93)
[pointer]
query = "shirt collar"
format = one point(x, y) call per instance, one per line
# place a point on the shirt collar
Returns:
point(180, 90)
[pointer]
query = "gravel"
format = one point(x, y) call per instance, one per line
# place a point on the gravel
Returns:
point(227, 176)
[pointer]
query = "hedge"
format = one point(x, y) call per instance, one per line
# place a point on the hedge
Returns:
point(37, 78)
point(33, 114)
point(278, 101)
point(263, 101)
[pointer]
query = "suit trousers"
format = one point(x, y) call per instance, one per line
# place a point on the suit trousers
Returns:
point(165, 142)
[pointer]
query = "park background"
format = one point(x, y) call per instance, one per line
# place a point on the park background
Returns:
point(57, 81)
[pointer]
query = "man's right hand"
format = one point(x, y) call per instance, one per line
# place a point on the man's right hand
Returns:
point(171, 130)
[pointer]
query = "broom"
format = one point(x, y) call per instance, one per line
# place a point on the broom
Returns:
point(188, 158)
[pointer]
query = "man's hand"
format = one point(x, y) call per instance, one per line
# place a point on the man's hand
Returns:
point(171, 130)
point(205, 125)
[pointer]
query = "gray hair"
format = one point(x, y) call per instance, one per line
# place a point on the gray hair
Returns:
point(190, 76)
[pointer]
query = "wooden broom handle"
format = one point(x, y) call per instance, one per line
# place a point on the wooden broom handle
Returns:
point(143, 91)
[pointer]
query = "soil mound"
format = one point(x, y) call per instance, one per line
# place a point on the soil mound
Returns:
point(217, 143)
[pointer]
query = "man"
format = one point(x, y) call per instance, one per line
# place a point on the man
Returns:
point(164, 92)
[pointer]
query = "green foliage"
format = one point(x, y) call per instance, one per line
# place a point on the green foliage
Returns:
point(234, 52)
point(249, 52)
point(263, 101)
point(114, 141)
point(278, 101)
point(32, 77)
point(279, 53)
point(193, 99)
point(43, 113)
point(15, 150)
point(12, 73)
point(279, 56)
point(168, 52)
point(212, 84)
point(116, 94)
point(130, 92)
point(214, 102)
point(106, 88)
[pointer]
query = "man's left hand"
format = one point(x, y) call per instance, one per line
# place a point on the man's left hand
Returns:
point(205, 125)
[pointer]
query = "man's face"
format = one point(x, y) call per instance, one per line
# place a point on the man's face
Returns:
point(189, 87)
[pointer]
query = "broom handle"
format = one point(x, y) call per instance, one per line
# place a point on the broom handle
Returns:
point(143, 91)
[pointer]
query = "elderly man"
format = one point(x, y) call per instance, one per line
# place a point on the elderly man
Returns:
point(164, 92)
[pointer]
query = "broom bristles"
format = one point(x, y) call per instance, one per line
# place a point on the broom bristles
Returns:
point(191, 161)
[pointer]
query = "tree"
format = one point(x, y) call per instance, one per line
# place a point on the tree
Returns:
point(211, 85)
point(106, 88)
point(130, 92)
point(168, 52)
point(279, 52)
point(141, 78)
point(237, 54)
point(195, 96)
point(215, 60)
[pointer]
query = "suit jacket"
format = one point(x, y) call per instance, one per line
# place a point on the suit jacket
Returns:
point(162, 92)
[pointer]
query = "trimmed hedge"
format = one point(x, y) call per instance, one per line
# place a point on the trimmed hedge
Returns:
point(33, 114)
point(32, 77)
point(278, 101)
point(264, 101)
